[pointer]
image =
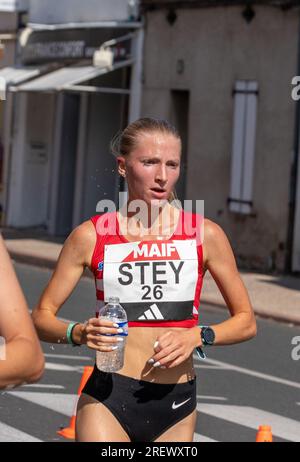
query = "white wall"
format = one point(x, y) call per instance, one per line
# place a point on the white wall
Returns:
point(8, 21)
point(9, 54)
point(13, 5)
point(63, 11)
point(218, 47)
point(296, 243)
point(8, 26)
point(28, 190)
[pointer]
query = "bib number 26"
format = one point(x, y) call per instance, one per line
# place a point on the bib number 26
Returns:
point(156, 290)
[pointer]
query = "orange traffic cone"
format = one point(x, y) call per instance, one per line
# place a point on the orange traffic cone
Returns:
point(69, 432)
point(264, 434)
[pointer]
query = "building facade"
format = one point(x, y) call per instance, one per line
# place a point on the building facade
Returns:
point(222, 71)
point(77, 83)
point(12, 16)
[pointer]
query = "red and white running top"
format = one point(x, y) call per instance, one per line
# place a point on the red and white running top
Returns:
point(158, 282)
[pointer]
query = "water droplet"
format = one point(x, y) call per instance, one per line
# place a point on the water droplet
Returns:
point(52, 348)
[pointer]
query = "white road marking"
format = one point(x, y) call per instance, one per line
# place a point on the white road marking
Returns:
point(58, 402)
point(252, 417)
point(253, 373)
point(78, 358)
point(203, 439)
point(11, 434)
point(65, 320)
point(62, 367)
point(215, 398)
point(41, 385)
point(207, 366)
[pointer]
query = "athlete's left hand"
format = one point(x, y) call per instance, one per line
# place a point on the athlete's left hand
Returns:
point(174, 347)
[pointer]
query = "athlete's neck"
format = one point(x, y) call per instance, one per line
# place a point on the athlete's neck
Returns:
point(158, 221)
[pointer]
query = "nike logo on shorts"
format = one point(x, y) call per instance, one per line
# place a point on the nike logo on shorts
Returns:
point(175, 406)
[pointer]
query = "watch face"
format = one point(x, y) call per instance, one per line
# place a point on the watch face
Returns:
point(208, 336)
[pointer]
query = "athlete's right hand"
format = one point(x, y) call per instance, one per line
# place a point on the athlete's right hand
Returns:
point(93, 334)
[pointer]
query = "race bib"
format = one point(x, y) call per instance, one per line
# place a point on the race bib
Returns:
point(154, 280)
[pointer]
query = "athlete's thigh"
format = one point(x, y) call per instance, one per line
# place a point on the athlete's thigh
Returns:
point(95, 422)
point(182, 431)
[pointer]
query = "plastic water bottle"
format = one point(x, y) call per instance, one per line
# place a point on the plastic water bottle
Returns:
point(112, 361)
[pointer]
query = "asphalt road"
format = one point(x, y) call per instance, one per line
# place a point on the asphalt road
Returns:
point(239, 387)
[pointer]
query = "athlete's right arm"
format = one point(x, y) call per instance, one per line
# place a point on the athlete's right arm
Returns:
point(21, 356)
point(76, 254)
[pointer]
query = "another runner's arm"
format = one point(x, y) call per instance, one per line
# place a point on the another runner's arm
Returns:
point(220, 261)
point(73, 259)
point(21, 357)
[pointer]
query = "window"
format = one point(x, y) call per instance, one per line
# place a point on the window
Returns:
point(243, 146)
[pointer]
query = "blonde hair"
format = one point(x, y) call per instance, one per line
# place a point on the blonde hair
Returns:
point(124, 142)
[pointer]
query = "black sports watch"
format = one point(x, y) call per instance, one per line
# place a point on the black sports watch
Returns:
point(207, 336)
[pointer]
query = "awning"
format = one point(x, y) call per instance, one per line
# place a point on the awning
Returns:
point(64, 78)
point(18, 75)
point(11, 6)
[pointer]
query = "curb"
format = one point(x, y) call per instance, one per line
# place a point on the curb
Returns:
point(41, 262)
point(260, 312)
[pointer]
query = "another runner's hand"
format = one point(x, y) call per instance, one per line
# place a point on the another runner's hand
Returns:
point(91, 334)
point(173, 348)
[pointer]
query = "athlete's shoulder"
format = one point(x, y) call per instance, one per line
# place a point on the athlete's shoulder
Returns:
point(210, 226)
point(82, 240)
point(215, 238)
point(83, 232)
point(105, 224)
point(212, 230)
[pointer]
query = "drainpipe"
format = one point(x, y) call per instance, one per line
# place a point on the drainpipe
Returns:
point(293, 181)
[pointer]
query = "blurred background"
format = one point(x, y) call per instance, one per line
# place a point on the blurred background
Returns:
point(226, 73)
point(221, 71)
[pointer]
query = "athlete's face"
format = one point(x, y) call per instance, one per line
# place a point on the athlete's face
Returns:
point(152, 168)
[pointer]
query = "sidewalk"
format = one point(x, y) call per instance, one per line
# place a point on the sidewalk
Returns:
point(274, 296)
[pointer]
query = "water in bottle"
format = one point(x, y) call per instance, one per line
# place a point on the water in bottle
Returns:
point(112, 361)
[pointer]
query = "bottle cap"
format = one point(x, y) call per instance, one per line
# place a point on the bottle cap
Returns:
point(113, 300)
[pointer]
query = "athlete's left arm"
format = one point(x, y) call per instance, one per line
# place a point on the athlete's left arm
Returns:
point(175, 347)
